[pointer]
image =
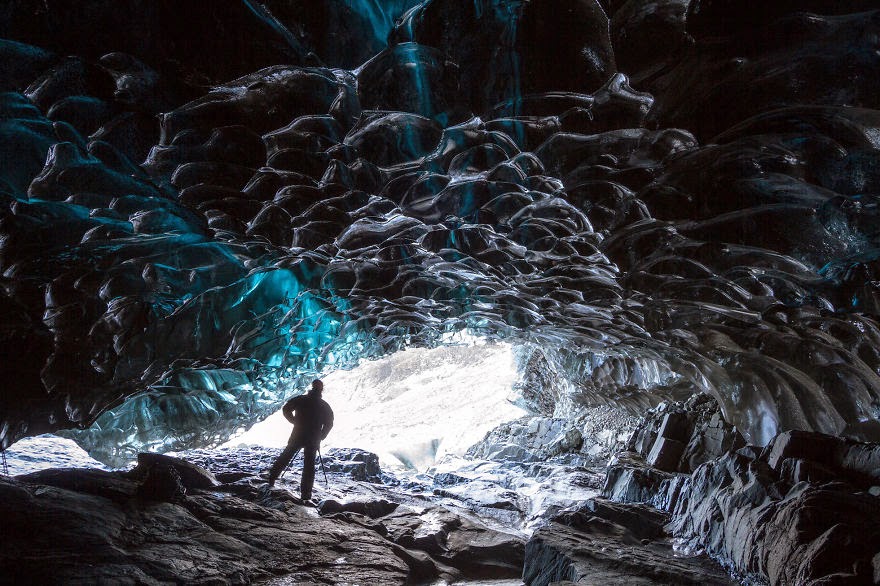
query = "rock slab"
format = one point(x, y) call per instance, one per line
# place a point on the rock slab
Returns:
point(614, 544)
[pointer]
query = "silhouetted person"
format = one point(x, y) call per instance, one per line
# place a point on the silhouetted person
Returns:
point(312, 419)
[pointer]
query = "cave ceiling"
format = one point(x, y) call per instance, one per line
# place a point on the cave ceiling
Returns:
point(202, 205)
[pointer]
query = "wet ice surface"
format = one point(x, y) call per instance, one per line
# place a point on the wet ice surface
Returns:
point(518, 495)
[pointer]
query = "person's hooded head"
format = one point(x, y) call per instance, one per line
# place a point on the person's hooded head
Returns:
point(317, 388)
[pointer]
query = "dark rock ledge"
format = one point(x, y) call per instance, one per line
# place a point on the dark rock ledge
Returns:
point(171, 522)
point(609, 543)
point(803, 510)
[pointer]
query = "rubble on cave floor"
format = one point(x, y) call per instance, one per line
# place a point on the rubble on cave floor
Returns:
point(681, 500)
point(802, 510)
point(168, 520)
point(148, 524)
point(463, 519)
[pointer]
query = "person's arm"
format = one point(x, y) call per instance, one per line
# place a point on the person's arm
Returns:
point(328, 423)
point(288, 410)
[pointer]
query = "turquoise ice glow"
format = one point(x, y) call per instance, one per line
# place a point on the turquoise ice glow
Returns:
point(381, 15)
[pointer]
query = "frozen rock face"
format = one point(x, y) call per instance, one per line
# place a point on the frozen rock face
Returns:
point(530, 439)
point(801, 511)
point(609, 543)
point(522, 495)
point(790, 524)
point(202, 209)
point(590, 438)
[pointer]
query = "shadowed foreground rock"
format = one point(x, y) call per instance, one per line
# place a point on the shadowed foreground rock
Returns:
point(804, 510)
point(607, 543)
point(168, 521)
point(797, 518)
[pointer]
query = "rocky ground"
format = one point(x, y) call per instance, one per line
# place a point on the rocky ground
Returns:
point(802, 510)
point(675, 491)
point(169, 521)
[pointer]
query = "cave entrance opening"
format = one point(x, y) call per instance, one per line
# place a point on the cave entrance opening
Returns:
point(415, 406)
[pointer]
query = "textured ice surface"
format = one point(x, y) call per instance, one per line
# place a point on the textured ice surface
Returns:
point(187, 239)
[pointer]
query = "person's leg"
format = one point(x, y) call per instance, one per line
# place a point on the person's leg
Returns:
point(308, 476)
point(283, 460)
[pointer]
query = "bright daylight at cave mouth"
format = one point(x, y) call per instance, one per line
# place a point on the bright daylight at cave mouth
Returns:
point(415, 406)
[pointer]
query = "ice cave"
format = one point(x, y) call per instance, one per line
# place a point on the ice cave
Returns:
point(592, 286)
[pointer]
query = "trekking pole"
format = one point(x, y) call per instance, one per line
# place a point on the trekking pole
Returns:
point(326, 482)
point(286, 468)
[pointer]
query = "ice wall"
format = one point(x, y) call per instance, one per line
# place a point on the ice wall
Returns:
point(187, 235)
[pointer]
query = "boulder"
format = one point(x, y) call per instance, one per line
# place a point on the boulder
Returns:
point(528, 439)
point(792, 529)
point(372, 509)
point(615, 544)
point(631, 480)
point(453, 540)
point(665, 453)
point(90, 528)
point(358, 464)
point(191, 476)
